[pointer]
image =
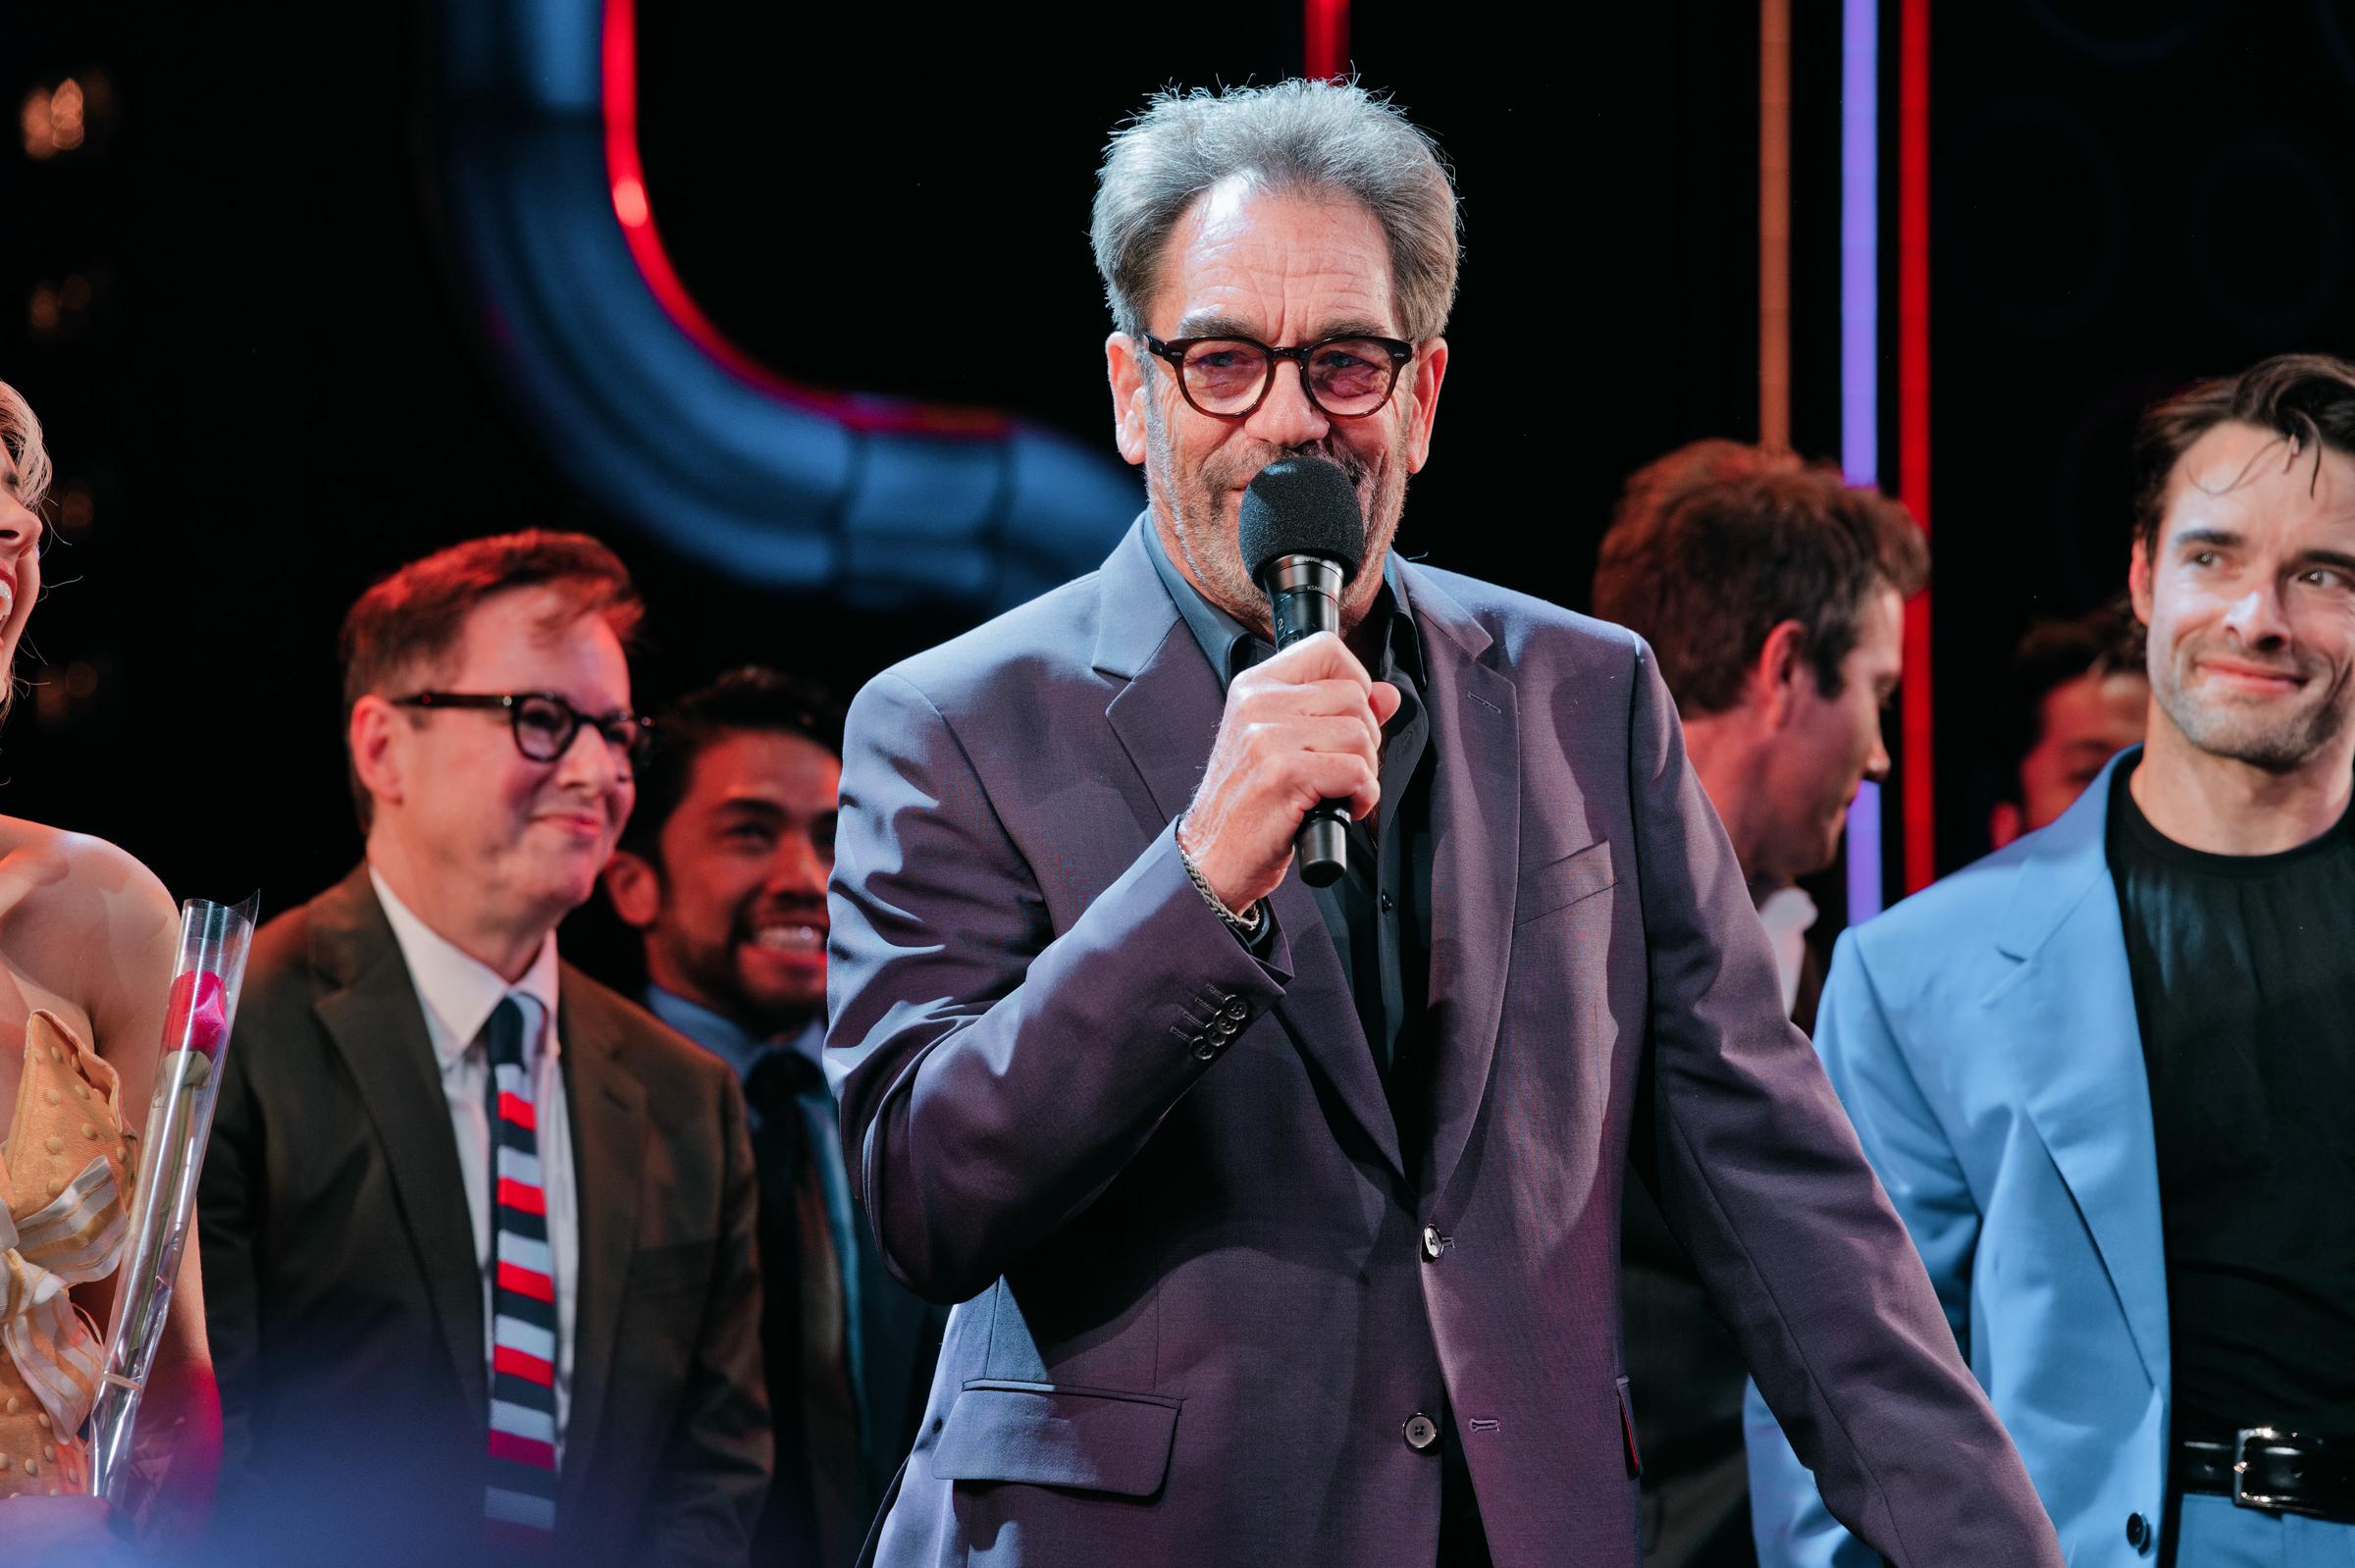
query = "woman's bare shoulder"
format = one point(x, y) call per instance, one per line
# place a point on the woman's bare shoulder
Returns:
point(76, 883)
point(81, 921)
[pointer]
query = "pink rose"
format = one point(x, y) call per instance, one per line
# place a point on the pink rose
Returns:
point(198, 1019)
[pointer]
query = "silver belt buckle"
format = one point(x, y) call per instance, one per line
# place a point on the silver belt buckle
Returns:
point(2242, 1498)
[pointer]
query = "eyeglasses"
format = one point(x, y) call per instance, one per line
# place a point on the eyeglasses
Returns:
point(1229, 378)
point(545, 725)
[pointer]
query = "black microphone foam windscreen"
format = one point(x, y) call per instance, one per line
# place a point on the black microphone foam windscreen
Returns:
point(1301, 506)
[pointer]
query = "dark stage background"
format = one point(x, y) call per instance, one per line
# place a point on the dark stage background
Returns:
point(237, 308)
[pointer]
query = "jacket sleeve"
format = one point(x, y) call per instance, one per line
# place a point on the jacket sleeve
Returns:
point(1915, 1160)
point(716, 1468)
point(1760, 1177)
point(227, 1220)
point(995, 1074)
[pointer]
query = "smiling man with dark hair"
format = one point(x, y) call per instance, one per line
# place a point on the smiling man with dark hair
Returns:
point(724, 873)
point(2107, 1072)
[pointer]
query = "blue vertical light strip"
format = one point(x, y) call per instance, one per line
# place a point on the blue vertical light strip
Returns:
point(1859, 352)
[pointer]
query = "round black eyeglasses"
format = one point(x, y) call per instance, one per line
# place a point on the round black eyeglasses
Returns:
point(544, 724)
point(1229, 378)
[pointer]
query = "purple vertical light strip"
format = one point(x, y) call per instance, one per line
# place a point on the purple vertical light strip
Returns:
point(1859, 352)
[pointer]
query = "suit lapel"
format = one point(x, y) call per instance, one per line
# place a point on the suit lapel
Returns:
point(2065, 1025)
point(1476, 854)
point(1165, 717)
point(608, 1107)
point(370, 1009)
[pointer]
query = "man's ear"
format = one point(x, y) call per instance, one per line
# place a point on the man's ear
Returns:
point(2006, 823)
point(371, 734)
point(1774, 676)
point(1427, 371)
point(634, 887)
point(1124, 368)
point(2138, 581)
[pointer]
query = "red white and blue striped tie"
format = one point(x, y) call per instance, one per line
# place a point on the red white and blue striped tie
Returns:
point(519, 1501)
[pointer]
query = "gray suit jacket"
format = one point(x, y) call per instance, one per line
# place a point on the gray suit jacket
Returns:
point(1203, 1298)
point(345, 1307)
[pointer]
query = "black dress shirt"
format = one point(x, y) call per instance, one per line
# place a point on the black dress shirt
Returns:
point(1378, 913)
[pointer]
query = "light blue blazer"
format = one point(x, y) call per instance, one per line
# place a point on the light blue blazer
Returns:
point(1982, 1036)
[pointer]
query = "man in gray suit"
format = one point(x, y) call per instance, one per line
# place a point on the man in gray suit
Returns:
point(1285, 1223)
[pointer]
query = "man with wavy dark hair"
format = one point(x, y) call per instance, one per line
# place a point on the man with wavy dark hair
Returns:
point(1773, 592)
point(2107, 1072)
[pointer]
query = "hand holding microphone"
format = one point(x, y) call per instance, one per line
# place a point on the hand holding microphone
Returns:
point(1300, 744)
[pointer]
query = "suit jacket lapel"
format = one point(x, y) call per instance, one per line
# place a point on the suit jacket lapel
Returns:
point(1476, 854)
point(1165, 716)
point(2065, 1025)
point(368, 1005)
point(608, 1107)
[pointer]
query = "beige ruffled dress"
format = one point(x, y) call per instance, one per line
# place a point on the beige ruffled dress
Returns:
point(66, 1175)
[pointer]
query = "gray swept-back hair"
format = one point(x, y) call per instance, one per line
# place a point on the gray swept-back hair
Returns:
point(21, 433)
point(1311, 138)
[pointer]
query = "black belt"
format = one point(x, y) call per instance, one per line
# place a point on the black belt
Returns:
point(2273, 1470)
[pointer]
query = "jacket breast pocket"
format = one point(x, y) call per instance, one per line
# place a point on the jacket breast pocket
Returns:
point(1097, 1440)
point(1558, 884)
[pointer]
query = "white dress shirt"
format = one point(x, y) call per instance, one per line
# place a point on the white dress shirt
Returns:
point(1789, 914)
point(458, 995)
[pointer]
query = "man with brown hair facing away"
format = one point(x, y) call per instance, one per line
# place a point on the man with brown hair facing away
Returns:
point(1773, 594)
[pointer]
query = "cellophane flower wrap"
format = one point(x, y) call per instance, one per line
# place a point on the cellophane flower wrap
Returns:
point(213, 942)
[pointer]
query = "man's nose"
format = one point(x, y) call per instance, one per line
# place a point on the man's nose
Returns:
point(1877, 761)
point(2257, 618)
point(797, 867)
point(1285, 417)
point(591, 761)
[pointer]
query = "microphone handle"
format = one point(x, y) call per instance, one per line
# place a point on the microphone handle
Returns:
point(1304, 598)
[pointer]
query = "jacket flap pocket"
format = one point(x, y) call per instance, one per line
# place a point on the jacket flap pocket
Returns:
point(1057, 1436)
point(1562, 883)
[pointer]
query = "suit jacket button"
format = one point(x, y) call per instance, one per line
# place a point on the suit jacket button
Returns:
point(1238, 1009)
point(1421, 1431)
point(1205, 1048)
point(1432, 1242)
point(2138, 1532)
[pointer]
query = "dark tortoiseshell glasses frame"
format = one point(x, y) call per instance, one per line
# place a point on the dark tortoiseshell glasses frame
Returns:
point(1176, 349)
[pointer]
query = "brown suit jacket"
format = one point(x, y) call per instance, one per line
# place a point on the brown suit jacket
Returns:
point(345, 1303)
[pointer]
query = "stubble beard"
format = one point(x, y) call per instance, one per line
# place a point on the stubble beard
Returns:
point(719, 975)
point(2272, 736)
point(1206, 530)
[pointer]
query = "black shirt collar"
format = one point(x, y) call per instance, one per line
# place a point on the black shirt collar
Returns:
point(1233, 648)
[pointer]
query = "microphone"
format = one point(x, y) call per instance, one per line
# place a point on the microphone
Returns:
point(1302, 537)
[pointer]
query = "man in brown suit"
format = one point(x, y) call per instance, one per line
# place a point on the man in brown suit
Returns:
point(479, 1233)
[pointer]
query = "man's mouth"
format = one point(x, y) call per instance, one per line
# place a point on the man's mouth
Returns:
point(790, 938)
point(587, 824)
point(2245, 676)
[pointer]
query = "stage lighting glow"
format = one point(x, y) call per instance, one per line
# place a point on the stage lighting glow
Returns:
point(1860, 356)
point(629, 204)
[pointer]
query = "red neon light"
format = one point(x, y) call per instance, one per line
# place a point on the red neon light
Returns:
point(1914, 413)
point(625, 174)
point(1326, 28)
